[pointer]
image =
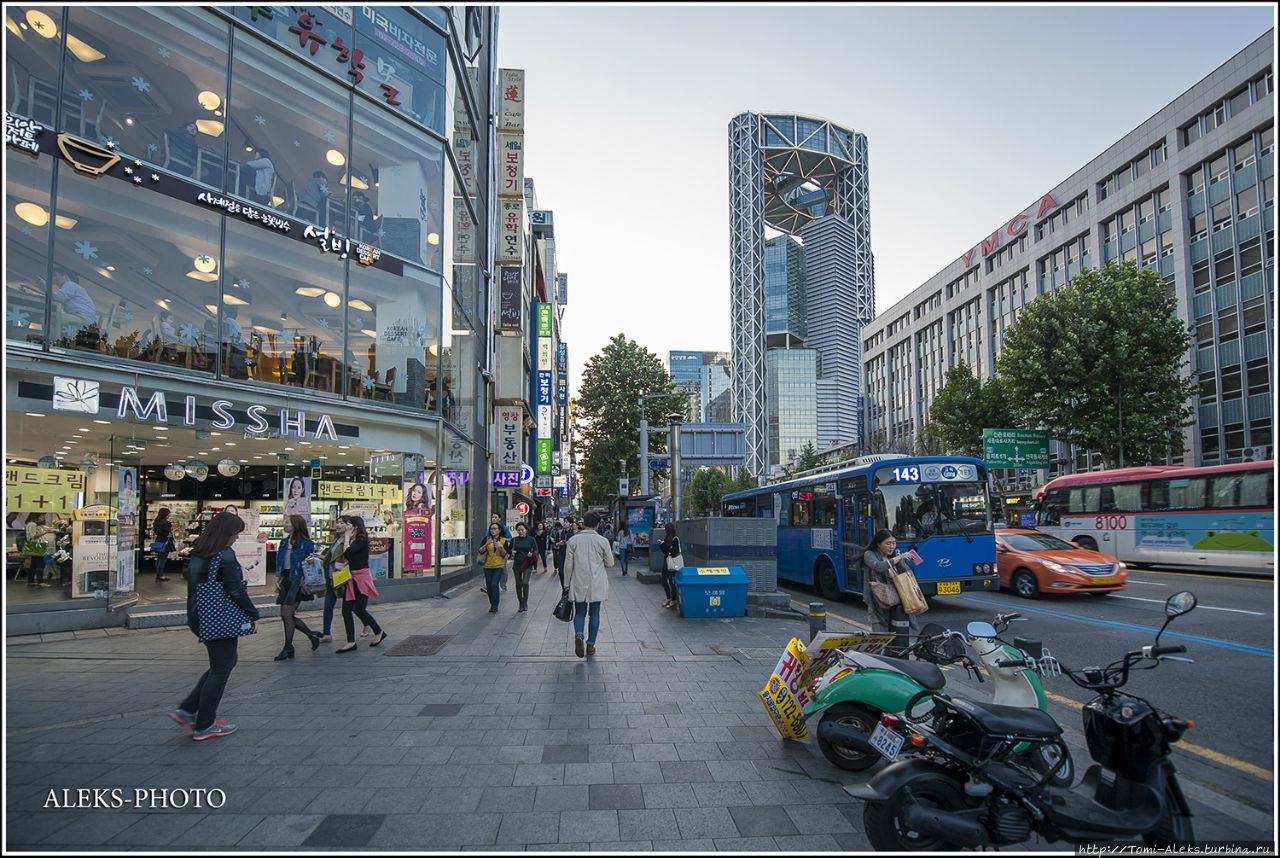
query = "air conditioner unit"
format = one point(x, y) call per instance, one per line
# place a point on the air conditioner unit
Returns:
point(1256, 454)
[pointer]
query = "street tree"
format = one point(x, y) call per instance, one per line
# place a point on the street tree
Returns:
point(964, 406)
point(709, 485)
point(809, 458)
point(608, 413)
point(1099, 364)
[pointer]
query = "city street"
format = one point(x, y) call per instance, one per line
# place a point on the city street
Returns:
point(488, 734)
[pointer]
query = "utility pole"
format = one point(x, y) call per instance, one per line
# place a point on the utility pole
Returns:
point(673, 449)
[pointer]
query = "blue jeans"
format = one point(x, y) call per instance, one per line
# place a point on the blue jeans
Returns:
point(492, 581)
point(161, 557)
point(622, 561)
point(580, 610)
point(330, 599)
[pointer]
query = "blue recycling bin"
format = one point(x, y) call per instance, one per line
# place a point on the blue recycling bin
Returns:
point(712, 591)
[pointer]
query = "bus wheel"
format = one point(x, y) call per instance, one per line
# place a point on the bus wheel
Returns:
point(1086, 542)
point(828, 586)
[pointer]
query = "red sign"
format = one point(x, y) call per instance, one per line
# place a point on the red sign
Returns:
point(1011, 230)
point(417, 541)
point(522, 508)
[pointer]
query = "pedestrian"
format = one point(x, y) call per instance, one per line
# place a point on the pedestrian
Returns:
point(587, 557)
point(559, 543)
point(38, 539)
point(198, 712)
point(329, 558)
point(540, 536)
point(670, 546)
point(881, 563)
point(295, 548)
point(524, 559)
point(493, 554)
point(162, 534)
point(314, 194)
point(359, 588)
point(264, 177)
point(506, 534)
point(622, 546)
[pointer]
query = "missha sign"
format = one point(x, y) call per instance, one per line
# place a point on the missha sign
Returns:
point(81, 396)
point(1010, 231)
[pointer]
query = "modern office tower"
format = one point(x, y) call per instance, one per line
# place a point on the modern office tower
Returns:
point(791, 394)
point(1190, 194)
point(805, 178)
point(704, 377)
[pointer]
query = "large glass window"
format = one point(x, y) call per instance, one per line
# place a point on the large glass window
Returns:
point(287, 129)
point(405, 61)
point(282, 313)
point(136, 273)
point(31, 52)
point(393, 336)
point(152, 81)
point(28, 222)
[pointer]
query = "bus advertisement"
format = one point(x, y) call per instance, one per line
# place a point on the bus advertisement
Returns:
point(938, 506)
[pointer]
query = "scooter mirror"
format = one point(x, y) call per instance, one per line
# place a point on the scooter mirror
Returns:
point(1179, 604)
point(981, 630)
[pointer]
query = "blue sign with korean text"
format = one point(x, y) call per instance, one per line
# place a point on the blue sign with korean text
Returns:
point(544, 387)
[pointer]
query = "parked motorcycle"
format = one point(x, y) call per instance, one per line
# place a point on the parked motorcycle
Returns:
point(871, 685)
point(960, 794)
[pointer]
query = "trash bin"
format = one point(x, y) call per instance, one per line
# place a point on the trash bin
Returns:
point(712, 591)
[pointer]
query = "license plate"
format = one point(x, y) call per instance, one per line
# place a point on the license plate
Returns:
point(887, 742)
point(1109, 579)
point(948, 588)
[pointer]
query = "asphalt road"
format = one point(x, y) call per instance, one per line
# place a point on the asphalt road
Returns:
point(1228, 692)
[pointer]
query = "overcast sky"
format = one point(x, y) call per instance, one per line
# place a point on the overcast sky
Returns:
point(971, 114)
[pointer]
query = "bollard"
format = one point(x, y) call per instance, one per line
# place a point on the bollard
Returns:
point(817, 619)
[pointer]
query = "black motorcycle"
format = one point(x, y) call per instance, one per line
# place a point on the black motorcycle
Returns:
point(959, 794)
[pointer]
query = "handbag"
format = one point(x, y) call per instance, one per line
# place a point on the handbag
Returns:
point(885, 594)
point(34, 548)
point(563, 611)
point(219, 617)
point(313, 573)
point(675, 563)
point(909, 592)
point(341, 576)
point(158, 548)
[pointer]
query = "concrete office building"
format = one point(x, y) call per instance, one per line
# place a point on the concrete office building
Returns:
point(804, 178)
point(1189, 193)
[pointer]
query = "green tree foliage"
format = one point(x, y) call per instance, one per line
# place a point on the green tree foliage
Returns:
point(708, 487)
point(742, 482)
point(1098, 364)
point(963, 407)
point(809, 458)
point(608, 413)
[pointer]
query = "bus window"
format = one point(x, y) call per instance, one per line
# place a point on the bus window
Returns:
point(800, 512)
point(1186, 493)
point(764, 507)
point(1225, 491)
point(1075, 500)
point(784, 512)
point(1156, 493)
point(1128, 497)
point(1107, 499)
point(1051, 508)
point(824, 505)
point(1256, 489)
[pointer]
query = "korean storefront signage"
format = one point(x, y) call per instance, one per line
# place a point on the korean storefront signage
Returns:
point(507, 422)
point(511, 117)
point(41, 489)
point(509, 311)
point(544, 455)
point(462, 119)
point(562, 356)
point(464, 149)
point(544, 387)
point(544, 423)
point(544, 319)
point(562, 391)
point(417, 542)
point(510, 231)
point(510, 165)
point(464, 232)
point(21, 132)
point(361, 491)
point(454, 452)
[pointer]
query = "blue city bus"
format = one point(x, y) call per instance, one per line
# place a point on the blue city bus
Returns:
point(937, 505)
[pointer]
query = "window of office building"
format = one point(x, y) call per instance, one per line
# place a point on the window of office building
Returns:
point(29, 224)
point(393, 338)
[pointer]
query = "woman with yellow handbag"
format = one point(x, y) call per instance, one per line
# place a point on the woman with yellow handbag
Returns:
point(353, 581)
point(881, 563)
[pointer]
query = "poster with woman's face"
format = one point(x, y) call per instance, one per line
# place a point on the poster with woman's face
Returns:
point(417, 498)
point(296, 493)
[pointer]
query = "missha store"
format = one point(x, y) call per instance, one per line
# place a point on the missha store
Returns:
point(241, 272)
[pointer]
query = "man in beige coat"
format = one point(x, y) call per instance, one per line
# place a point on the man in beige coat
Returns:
point(587, 556)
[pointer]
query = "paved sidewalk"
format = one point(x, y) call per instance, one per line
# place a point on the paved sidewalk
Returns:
point(490, 736)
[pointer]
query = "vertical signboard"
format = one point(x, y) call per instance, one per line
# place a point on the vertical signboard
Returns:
point(506, 455)
point(562, 357)
point(511, 165)
point(126, 529)
point(543, 316)
point(509, 237)
point(562, 391)
point(464, 232)
point(511, 116)
point(464, 148)
point(511, 294)
point(544, 320)
point(417, 541)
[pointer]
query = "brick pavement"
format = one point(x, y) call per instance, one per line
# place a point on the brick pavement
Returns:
point(501, 740)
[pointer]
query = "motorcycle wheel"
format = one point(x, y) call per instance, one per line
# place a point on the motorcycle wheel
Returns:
point(862, 719)
point(1174, 826)
point(883, 822)
point(1042, 758)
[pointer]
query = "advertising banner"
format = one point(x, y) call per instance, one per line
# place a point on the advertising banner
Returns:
point(361, 491)
point(511, 117)
point(544, 354)
point(640, 523)
point(417, 542)
point(511, 165)
point(509, 316)
point(417, 497)
point(379, 557)
point(562, 391)
point(296, 492)
point(507, 422)
point(544, 387)
point(544, 319)
point(126, 529)
point(41, 489)
point(562, 356)
point(544, 455)
point(509, 239)
point(250, 548)
point(794, 682)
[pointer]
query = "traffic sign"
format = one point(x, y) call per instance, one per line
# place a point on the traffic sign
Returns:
point(1015, 448)
point(659, 463)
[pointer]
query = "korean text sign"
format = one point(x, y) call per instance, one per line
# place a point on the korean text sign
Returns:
point(361, 491)
point(41, 489)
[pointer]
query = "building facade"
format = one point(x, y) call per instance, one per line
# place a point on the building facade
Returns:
point(808, 179)
point(704, 377)
point(248, 265)
point(1190, 194)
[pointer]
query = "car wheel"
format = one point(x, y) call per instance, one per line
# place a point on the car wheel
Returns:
point(1086, 542)
point(1024, 584)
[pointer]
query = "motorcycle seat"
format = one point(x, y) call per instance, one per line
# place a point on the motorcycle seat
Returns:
point(924, 672)
point(1013, 720)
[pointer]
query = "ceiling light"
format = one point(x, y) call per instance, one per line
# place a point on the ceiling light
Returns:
point(82, 429)
point(336, 158)
point(104, 422)
point(128, 120)
point(84, 53)
point(233, 301)
point(360, 305)
point(32, 213)
point(212, 308)
point(332, 299)
point(433, 238)
point(42, 23)
point(216, 434)
point(33, 414)
point(205, 264)
point(64, 222)
point(212, 127)
point(209, 100)
point(309, 291)
point(373, 335)
point(203, 278)
point(13, 28)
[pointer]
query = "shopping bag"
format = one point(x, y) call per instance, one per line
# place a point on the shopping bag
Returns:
point(219, 616)
point(909, 592)
point(341, 576)
point(313, 573)
point(563, 610)
point(34, 548)
point(158, 547)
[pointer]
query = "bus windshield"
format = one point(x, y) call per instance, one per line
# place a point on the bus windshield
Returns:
point(935, 509)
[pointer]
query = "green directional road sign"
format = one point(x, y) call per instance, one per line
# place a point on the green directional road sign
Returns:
point(1015, 448)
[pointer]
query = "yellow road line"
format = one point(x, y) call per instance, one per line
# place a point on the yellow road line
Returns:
point(1238, 765)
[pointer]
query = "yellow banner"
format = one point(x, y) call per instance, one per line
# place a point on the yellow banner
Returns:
point(41, 489)
point(784, 696)
point(361, 491)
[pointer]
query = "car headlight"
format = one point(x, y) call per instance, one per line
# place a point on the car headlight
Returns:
point(1059, 568)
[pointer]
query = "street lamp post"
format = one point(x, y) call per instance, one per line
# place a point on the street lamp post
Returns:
point(673, 449)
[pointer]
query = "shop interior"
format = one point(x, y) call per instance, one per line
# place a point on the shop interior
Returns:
point(196, 473)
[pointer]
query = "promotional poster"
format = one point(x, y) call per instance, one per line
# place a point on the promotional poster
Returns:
point(296, 494)
point(126, 529)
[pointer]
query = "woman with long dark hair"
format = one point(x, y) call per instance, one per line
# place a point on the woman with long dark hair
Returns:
point(359, 589)
point(293, 550)
point(881, 563)
point(540, 536)
point(162, 531)
point(199, 710)
point(670, 546)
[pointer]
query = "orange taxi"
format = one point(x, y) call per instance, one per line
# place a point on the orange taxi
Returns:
point(1031, 563)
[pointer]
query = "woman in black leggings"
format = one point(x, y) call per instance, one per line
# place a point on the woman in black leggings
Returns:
point(670, 545)
point(359, 589)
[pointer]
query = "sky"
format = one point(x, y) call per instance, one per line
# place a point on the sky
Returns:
point(971, 114)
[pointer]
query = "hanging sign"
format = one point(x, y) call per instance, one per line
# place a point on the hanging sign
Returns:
point(174, 472)
point(361, 491)
point(417, 542)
